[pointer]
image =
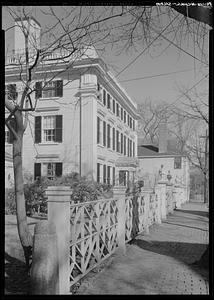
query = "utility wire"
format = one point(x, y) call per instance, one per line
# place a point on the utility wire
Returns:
point(188, 90)
point(157, 75)
point(171, 42)
point(147, 47)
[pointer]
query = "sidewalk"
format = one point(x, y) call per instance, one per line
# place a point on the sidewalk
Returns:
point(159, 262)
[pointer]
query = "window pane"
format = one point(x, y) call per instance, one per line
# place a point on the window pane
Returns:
point(49, 124)
point(49, 90)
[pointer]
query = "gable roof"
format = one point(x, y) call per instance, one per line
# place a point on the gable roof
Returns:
point(143, 150)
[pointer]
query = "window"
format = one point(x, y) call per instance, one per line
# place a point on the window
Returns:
point(117, 140)
point(8, 133)
point(10, 92)
point(104, 173)
point(50, 169)
point(130, 147)
point(49, 89)
point(108, 101)
point(104, 133)
point(98, 130)
point(134, 149)
point(124, 116)
point(48, 129)
point(133, 124)
point(121, 113)
point(130, 122)
point(104, 97)
point(109, 175)
point(124, 145)
point(118, 110)
point(113, 176)
point(121, 143)
point(108, 136)
point(177, 162)
point(98, 172)
point(99, 91)
point(113, 106)
point(113, 138)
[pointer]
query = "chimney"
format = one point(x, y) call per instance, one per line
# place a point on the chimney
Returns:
point(34, 34)
point(162, 136)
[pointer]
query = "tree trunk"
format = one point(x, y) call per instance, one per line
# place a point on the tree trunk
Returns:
point(203, 262)
point(23, 229)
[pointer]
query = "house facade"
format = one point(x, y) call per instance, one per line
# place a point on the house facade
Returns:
point(157, 162)
point(83, 122)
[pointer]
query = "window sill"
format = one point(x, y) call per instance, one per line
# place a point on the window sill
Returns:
point(101, 146)
point(48, 144)
point(50, 98)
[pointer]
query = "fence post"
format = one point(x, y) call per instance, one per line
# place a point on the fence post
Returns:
point(162, 185)
point(146, 194)
point(119, 193)
point(177, 196)
point(59, 214)
point(169, 197)
point(158, 193)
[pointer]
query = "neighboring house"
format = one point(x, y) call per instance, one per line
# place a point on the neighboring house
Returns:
point(81, 125)
point(153, 159)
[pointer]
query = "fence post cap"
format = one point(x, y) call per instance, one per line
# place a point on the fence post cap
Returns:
point(59, 190)
point(162, 182)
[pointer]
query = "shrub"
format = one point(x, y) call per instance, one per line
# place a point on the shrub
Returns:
point(10, 204)
point(82, 190)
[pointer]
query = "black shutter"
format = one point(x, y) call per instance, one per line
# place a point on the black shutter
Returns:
point(104, 173)
point(59, 88)
point(113, 137)
point(113, 106)
point(113, 176)
point(104, 133)
point(98, 172)
point(37, 170)
point(121, 143)
point(38, 129)
point(108, 136)
point(58, 170)
point(38, 89)
point(98, 130)
point(12, 123)
point(58, 131)
point(124, 145)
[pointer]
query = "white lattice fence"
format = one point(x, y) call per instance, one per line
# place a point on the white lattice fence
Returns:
point(93, 235)
point(169, 199)
point(151, 210)
point(128, 216)
point(142, 213)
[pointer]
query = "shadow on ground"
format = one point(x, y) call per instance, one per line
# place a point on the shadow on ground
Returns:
point(17, 279)
point(194, 212)
point(177, 251)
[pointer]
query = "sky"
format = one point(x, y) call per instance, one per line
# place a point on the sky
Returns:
point(150, 64)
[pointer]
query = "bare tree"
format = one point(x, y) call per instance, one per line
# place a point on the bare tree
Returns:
point(151, 116)
point(71, 31)
point(67, 39)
